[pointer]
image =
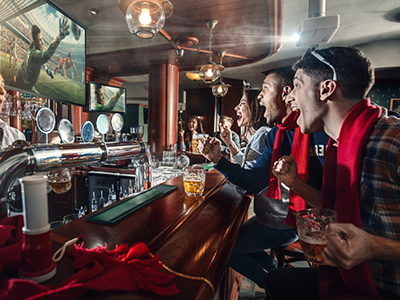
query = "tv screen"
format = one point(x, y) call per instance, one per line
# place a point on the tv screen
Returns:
point(43, 53)
point(106, 98)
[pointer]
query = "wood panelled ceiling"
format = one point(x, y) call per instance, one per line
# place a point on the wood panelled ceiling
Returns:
point(247, 30)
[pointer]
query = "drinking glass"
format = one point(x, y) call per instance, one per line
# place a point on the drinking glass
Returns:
point(69, 218)
point(195, 141)
point(311, 226)
point(60, 180)
point(55, 224)
point(194, 180)
point(137, 133)
point(169, 159)
point(183, 161)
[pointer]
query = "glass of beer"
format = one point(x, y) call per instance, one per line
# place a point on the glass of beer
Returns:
point(194, 180)
point(311, 226)
point(60, 180)
point(195, 141)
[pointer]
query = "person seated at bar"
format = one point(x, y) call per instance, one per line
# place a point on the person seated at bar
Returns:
point(185, 136)
point(225, 124)
point(10, 134)
point(250, 116)
point(361, 181)
point(270, 227)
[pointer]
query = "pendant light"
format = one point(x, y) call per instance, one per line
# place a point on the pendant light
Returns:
point(145, 17)
point(220, 88)
point(210, 71)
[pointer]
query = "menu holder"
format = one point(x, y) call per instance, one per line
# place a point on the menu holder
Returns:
point(115, 213)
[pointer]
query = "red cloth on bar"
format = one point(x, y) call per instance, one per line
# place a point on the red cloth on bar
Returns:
point(342, 173)
point(10, 245)
point(124, 269)
point(300, 149)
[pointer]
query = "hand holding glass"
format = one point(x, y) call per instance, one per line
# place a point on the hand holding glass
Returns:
point(194, 180)
point(195, 140)
point(311, 226)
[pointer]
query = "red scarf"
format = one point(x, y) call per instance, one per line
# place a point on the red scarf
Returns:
point(10, 245)
point(341, 192)
point(122, 269)
point(300, 148)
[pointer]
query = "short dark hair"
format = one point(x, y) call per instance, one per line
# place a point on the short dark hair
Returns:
point(228, 118)
point(35, 30)
point(284, 75)
point(355, 74)
point(98, 88)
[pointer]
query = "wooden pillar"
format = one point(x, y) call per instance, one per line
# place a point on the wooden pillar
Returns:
point(163, 106)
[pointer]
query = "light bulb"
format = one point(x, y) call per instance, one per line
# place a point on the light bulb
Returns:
point(220, 90)
point(144, 17)
point(209, 73)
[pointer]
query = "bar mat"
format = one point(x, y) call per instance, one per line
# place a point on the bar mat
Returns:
point(208, 166)
point(115, 213)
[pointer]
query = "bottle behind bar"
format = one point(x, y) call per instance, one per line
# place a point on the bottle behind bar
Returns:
point(121, 194)
point(102, 201)
point(130, 187)
point(113, 194)
point(94, 202)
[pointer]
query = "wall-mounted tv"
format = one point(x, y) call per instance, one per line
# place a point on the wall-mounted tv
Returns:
point(106, 98)
point(43, 52)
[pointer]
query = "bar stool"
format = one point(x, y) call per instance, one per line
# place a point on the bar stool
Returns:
point(288, 254)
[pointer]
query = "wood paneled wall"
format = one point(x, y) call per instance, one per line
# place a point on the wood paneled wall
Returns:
point(201, 102)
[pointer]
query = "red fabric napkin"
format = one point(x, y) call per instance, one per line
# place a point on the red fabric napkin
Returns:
point(300, 149)
point(124, 268)
point(10, 245)
point(342, 173)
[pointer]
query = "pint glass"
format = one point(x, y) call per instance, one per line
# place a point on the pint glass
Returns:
point(194, 180)
point(195, 141)
point(311, 226)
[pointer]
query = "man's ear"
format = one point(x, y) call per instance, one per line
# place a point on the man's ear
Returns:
point(326, 89)
point(286, 91)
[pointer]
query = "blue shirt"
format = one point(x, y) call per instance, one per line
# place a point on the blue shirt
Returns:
point(257, 178)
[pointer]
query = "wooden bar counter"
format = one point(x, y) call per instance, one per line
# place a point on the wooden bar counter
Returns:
point(192, 236)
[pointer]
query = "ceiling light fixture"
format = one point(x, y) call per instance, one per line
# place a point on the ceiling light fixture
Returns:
point(210, 71)
point(193, 76)
point(220, 89)
point(145, 17)
point(94, 11)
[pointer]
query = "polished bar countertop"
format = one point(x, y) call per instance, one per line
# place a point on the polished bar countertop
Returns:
point(193, 236)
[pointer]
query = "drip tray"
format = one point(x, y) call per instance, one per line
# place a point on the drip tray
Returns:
point(120, 210)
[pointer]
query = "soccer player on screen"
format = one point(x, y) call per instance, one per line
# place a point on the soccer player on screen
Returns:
point(29, 70)
point(102, 102)
point(65, 63)
point(13, 52)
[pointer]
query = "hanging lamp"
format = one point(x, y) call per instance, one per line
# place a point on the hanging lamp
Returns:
point(210, 71)
point(145, 17)
point(220, 88)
